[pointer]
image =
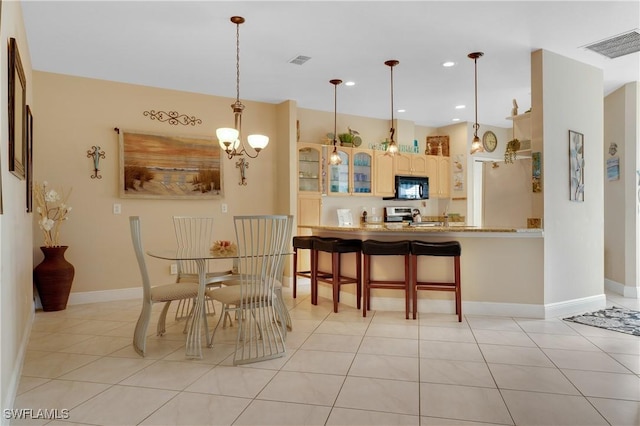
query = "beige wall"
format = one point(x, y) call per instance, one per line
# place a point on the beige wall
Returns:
point(620, 200)
point(16, 298)
point(570, 96)
point(72, 114)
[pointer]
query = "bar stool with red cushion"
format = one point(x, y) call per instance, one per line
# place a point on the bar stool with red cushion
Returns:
point(301, 243)
point(337, 247)
point(386, 248)
point(448, 249)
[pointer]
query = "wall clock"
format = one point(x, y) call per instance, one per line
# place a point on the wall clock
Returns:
point(489, 141)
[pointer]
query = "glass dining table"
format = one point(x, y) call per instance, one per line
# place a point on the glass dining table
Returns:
point(193, 346)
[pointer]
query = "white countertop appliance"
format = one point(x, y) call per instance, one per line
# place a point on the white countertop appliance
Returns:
point(398, 214)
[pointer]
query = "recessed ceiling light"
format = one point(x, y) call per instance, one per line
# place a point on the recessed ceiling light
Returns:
point(461, 106)
point(350, 83)
point(448, 64)
point(402, 110)
point(456, 119)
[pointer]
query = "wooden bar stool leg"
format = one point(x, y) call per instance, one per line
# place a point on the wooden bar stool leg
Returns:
point(414, 284)
point(314, 277)
point(407, 285)
point(358, 278)
point(365, 285)
point(458, 292)
point(335, 270)
point(295, 272)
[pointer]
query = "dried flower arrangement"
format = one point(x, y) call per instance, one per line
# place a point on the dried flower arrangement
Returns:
point(53, 210)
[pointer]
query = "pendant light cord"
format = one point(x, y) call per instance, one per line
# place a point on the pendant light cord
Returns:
point(335, 113)
point(476, 126)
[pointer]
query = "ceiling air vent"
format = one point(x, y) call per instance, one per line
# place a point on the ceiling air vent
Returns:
point(299, 60)
point(617, 46)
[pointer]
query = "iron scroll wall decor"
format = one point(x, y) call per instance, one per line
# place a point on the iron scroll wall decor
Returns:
point(173, 117)
point(96, 155)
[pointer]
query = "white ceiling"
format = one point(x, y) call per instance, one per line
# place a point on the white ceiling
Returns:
point(190, 46)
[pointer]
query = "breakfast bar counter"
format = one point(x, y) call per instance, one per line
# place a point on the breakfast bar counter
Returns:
point(502, 269)
point(409, 231)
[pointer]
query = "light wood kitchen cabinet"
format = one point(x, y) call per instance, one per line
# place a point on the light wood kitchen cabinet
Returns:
point(439, 173)
point(309, 213)
point(410, 164)
point(383, 174)
point(310, 168)
point(309, 209)
point(353, 176)
point(339, 174)
point(361, 172)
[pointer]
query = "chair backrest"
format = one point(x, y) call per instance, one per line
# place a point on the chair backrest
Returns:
point(192, 232)
point(262, 243)
point(136, 238)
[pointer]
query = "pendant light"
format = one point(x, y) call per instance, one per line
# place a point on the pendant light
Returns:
point(476, 146)
point(392, 148)
point(230, 138)
point(335, 159)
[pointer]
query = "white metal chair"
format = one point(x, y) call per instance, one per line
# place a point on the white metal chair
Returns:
point(262, 244)
point(160, 293)
point(195, 232)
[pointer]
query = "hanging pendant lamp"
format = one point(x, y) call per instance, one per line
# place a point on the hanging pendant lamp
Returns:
point(476, 146)
point(392, 148)
point(230, 138)
point(335, 159)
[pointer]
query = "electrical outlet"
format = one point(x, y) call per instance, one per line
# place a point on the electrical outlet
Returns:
point(174, 269)
point(117, 208)
point(224, 207)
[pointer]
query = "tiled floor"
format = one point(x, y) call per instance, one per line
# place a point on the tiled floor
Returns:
point(340, 369)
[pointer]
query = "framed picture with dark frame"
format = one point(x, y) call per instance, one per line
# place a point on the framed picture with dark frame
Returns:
point(17, 111)
point(29, 159)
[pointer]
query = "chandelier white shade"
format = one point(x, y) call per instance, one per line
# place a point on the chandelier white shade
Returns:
point(230, 139)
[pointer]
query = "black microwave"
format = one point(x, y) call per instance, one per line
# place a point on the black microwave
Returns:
point(412, 188)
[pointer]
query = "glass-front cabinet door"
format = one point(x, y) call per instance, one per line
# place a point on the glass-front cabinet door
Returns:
point(361, 172)
point(309, 168)
point(339, 175)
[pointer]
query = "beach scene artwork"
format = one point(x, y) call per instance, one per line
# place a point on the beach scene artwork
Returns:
point(169, 167)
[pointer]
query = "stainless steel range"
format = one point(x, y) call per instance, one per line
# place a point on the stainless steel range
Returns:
point(398, 214)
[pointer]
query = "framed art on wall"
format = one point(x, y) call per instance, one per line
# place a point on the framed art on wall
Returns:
point(165, 166)
point(576, 166)
point(29, 159)
point(17, 117)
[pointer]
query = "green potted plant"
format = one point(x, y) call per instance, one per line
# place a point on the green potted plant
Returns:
point(346, 139)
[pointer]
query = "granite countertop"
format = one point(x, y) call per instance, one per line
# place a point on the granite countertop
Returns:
point(420, 229)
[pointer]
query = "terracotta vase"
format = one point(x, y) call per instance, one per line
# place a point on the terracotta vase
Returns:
point(53, 278)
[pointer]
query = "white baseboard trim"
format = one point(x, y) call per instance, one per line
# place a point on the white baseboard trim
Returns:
point(520, 310)
point(80, 298)
point(14, 381)
point(575, 306)
point(614, 286)
point(621, 289)
point(105, 295)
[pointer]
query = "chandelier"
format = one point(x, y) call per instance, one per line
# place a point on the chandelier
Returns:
point(392, 148)
point(476, 146)
point(230, 138)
